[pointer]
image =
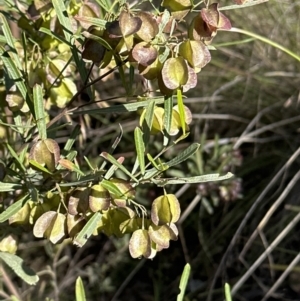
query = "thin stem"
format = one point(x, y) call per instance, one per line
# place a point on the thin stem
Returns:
point(267, 41)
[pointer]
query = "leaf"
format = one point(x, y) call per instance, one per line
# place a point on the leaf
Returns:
point(174, 73)
point(39, 111)
point(9, 186)
point(227, 292)
point(16, 157)
point(181, 110)
point(183, 281)
point(54, 35)
point(17, 265)
point(79, 289)
point(192, 180)
point(184, 155)
point(168, 107)
point(39, 167)
point(165, 18)
point(13, 209)
point(140, 244)
point(10, 41)
point(112, 188)
point(140, 148)
point(65, 21)
point(113, 161)
point(17, 77)
point(119, 109)
point(148, 122)
point(82, 237)
point(243, 4)
point(70, 166)
point(124, 187)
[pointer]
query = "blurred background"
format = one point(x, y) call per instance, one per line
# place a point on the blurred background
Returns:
point(246, 116)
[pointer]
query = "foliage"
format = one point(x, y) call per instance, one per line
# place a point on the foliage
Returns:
point(62, 52)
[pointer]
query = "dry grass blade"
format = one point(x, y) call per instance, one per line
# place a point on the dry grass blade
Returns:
point(279, 281)
point(264, 255)
point(270, 212)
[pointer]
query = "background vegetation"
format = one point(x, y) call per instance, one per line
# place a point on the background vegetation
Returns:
point(244, 232)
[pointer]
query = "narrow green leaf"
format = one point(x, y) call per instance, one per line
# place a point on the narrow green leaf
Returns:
point(184, 281)
point(39, 167)
point(192, 180)
point(16, 157)
point(181, 110)
point(79, 289)
point(71, 155)
point(246, 4)
point(148, 121)
point(113, 161)
point(23, 153)
point(227, 292)
point(164, 21)
point(16, 76)
point(111, 171)
point(93, 21)
point(63, 18)
point(188, 152)
point(17, 265)
point(112, 188)
point(184, 155)
point(82, 237)
point(12, 209)
point(122, 74)
point(140, 148)
point(104, 4)
point(168, 106)
point(84, 180)
point(10, 41)
point(65, 21)
point(267, 41)
point(72, 139)
point(9, 187)
point(97, 39)
point(38, 101)
point(150, 158)
point(2, 39)
point(123, 108)
point(54, 35)
point(88, 163)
